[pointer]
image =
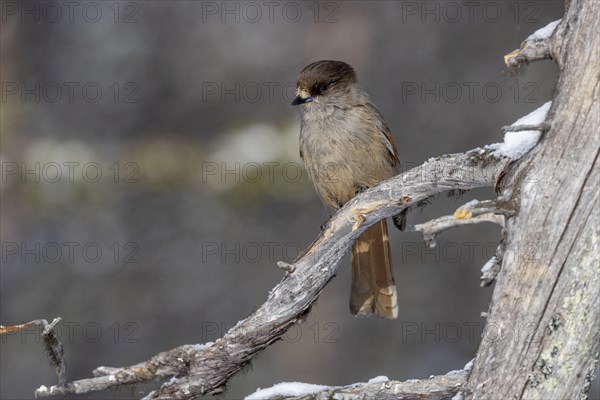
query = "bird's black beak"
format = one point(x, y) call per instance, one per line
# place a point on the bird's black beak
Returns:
point(300, 100)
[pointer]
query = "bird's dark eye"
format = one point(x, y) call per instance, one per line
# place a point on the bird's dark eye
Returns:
point(322, 87)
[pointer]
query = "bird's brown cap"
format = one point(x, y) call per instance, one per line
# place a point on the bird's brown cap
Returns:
point(320, 77)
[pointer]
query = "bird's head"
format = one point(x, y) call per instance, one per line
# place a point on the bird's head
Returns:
point(324, 82)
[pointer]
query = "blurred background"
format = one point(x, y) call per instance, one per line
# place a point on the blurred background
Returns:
point(151, 178)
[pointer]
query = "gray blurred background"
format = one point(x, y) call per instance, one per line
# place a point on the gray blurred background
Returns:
point(151, 178)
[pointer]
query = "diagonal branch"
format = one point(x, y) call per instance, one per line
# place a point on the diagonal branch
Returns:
point(202, 369)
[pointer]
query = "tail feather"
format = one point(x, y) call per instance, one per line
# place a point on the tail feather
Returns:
point(373, 287)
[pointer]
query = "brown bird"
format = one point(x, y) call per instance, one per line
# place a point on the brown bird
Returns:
point(347, 147)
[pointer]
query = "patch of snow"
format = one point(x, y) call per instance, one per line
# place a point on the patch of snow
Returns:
point(458, 396)
point(545, 32)
point(379, 379)
point(469, 366)
point(199, 347)
point(535, 117)
point(149, 395)
point(470, 204)
point(518, 143)
point(301, 389)
point(286, 389)
point(488, 265)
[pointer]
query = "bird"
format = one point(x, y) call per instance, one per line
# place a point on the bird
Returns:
point(347, 147)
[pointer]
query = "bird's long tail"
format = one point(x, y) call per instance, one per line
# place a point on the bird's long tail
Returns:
point(373, 287)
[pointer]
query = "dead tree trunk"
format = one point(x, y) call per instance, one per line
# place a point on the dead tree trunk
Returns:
point(543, 330)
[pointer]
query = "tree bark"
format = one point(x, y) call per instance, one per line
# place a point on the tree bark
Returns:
point(542, 335)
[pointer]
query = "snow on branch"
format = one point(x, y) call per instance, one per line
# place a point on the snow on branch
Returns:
point(545, 32)
point(435, 388)
point(287, 389)
point(196, 370)
point(523, 134)
point(491, 268)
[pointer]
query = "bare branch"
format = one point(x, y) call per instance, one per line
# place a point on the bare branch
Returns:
point(474, 212)
point(204, 369)
point(544, 127)
point(52, 345)
point(477, 208)
point(537, 46)
point(431, 229)
point(162, 366)
point(529, 52)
